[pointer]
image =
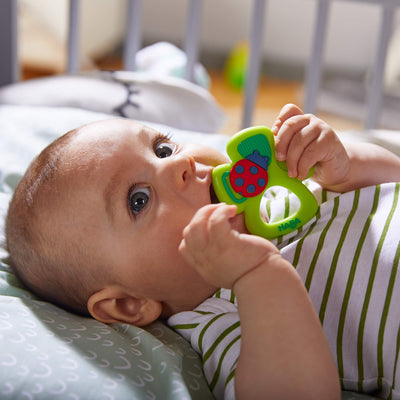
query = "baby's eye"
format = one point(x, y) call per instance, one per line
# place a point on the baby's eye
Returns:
point(164, 149)
point(138, 199)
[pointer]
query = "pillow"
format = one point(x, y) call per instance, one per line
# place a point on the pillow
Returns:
point(162, 99)
point(48, 353)
point(164, 58)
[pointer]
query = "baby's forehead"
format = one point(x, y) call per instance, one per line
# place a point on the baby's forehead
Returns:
point(103, 138)
point(111, 130)
point(98, 144)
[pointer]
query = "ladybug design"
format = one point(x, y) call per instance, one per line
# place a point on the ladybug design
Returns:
point(252, 170)
point(249, 176)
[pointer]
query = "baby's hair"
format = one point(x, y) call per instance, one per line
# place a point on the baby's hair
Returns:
point(48, 259)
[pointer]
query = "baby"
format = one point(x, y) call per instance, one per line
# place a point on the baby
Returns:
point(115, 220)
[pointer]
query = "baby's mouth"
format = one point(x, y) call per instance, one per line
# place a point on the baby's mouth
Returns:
point(213, 196)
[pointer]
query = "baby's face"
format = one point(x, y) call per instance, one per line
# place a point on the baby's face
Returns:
point(134, 192)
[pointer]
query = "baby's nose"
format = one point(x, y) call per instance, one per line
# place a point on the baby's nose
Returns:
point(184, 169)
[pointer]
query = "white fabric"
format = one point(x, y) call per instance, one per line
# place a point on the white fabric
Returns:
point(161, 99)
point(165, 59)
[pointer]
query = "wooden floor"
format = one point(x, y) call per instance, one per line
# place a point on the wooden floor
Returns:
point(272, 95)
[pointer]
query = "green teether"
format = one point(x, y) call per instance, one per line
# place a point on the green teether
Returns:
point(253, 170)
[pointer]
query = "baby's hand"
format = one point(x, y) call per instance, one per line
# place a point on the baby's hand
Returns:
point(218, 252)
point(304, 141)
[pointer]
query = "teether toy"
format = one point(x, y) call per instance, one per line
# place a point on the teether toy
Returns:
point(254, 169)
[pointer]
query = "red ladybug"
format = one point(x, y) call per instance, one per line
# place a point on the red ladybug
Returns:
point(249, 176)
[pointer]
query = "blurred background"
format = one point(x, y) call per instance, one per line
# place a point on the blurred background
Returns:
point(351, 41)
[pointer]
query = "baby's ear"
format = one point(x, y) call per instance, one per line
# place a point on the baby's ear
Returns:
point(114, 304)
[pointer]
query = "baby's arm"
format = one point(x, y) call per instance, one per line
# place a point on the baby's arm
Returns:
point(284, 352)
point(303, 141)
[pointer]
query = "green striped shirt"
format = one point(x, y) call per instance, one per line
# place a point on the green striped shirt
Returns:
point(348, 258)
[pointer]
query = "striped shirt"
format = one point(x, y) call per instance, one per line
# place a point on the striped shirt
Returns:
point(348, 258)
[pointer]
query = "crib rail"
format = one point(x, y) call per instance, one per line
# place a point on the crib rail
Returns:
point(9, 71)
point(314, 72)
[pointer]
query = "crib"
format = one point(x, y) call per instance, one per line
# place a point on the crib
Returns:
point(9, 71)
point(48, 353)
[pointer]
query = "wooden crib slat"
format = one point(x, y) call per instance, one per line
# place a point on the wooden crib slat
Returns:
point(133, 40)
point(191, 45)
point(253, 70)
point(9, 69)
point(73, 59)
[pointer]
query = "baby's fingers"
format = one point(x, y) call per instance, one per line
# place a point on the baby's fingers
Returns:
point(218, 223)
point(195, 234)
point(287, 111)
point(304, 150)
point(290, 131)
point(201, 237)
